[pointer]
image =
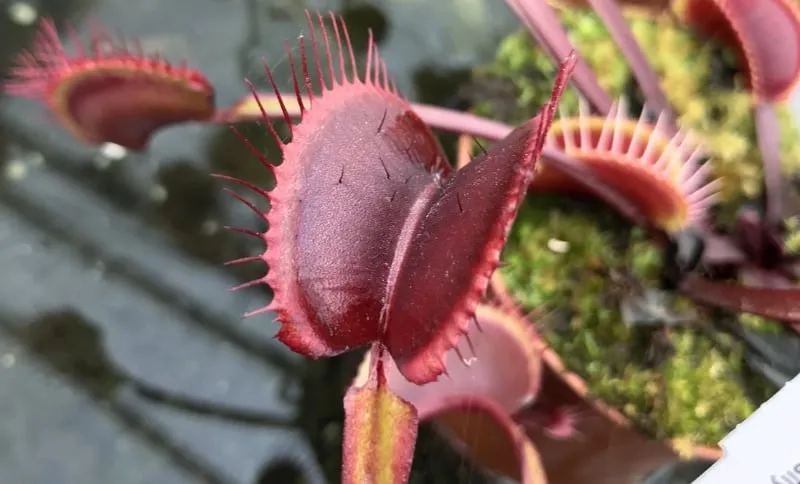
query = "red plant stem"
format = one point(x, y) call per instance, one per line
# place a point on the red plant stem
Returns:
point(779, 304)
point(543, 24)
point(769, 141)
point(648, 81)
point(442, 118)
point(461, 122)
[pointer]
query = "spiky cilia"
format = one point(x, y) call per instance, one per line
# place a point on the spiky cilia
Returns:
point(661, 173)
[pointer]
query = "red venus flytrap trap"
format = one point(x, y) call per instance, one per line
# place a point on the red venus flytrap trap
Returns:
point(107, 92)
point(315, 260)
point(765, 34)
point(363, 205)
point(658, 172)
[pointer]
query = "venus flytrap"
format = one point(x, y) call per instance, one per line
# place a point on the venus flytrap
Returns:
point(363, 204)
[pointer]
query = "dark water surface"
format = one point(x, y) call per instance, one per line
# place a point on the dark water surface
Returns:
point(110, 269)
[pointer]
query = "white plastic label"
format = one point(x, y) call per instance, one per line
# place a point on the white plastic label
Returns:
point(765, 448)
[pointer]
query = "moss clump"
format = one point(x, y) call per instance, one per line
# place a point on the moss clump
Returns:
point(673, 397)
point(698, 77)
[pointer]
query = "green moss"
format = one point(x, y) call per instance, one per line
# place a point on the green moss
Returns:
point(793, 235)
point(720, 115)
point(673, 399)
point(704, 398)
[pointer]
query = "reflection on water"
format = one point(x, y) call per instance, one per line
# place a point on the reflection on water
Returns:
point(191, 212)
point(73, 347)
